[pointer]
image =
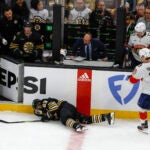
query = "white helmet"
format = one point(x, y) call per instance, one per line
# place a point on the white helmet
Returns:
point(144, 52)
point(140, 27)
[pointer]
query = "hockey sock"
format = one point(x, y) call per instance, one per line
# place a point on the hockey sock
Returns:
point(70, 123)
point(98, 118)
point(143, 116)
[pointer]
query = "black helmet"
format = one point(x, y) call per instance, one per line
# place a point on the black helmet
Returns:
point(35, 103)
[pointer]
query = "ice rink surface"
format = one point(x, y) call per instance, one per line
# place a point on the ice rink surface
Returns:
point(123, 135)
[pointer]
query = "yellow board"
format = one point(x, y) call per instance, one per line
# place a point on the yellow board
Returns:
point(120, 114)
point(16, 108)
point(28, 109)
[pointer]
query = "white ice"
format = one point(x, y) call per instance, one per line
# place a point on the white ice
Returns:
point(52, 135)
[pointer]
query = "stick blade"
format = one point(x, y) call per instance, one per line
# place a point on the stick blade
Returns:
point(3, 121)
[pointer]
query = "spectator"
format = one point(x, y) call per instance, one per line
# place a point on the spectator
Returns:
point(90, 48)
point(146, 18)
point(79, 14)
point(27, 45)
point(21, 10)
point(138, 40)
point(147, 3)
point(139, 12)
point(100, 17)
point(38, 10)
point(68, 8)
point(9, 26)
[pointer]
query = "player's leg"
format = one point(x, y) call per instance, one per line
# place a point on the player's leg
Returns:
point(109, 117)
point(144, 104)
point(143, 120)
point(75, 125)
point(67, 117)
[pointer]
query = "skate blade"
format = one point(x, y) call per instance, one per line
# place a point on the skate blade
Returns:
point(82, 130)
point(144, 131)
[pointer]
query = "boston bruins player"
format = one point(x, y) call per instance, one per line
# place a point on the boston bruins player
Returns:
point(28, 44)
point(54, 109)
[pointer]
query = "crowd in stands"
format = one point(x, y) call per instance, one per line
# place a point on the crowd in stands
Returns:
point(15, 13)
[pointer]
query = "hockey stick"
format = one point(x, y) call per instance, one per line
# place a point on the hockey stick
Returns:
point(3, 121)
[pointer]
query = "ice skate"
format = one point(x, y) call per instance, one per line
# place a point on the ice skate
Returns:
point(110, 117)
point(80, 128)
point(143, 127)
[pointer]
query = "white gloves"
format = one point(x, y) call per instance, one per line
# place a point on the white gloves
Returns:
point(4, 41)
point(63, 52)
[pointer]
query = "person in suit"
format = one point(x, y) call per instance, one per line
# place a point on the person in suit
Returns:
point(90, 48)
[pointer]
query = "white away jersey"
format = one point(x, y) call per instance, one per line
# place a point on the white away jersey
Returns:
point(134, 40)
point(143, 73)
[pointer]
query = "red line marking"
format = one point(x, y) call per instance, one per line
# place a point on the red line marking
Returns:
point(76, 141)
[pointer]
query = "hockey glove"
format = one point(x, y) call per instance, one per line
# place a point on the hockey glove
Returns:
point(46, 117)
point(4, 41)
point(18, 53)
point(33, 53)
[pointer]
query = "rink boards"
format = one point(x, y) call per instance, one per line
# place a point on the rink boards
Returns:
point(28, 109)
point(91, 91)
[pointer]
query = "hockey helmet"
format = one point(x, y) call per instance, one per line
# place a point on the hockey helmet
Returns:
point(35, 103)
point(144, 52)
point(140, 27)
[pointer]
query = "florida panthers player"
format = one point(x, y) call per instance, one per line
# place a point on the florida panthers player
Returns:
point(142, 73)
point(138, 40)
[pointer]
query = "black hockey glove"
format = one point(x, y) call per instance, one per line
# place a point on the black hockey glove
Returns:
point(47, 117)
point(33, 53)
point(18, 53)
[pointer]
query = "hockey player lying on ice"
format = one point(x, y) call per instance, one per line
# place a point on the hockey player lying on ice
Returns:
point(53, 109)
point(142, 72)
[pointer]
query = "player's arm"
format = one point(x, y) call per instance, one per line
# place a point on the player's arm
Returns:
point(15, 48)
point(133, 78)
point(44, 114)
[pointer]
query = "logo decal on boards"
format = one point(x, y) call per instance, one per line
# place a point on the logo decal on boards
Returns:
point(116, 89)
point(84, 77)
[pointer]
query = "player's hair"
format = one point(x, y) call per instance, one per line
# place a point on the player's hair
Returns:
point(34, 3)
point(6, 8)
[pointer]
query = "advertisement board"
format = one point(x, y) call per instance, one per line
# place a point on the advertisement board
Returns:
point(111, 90)
point(11, 78)
point(91, 91)
point(44, 82)
point(87, 89)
